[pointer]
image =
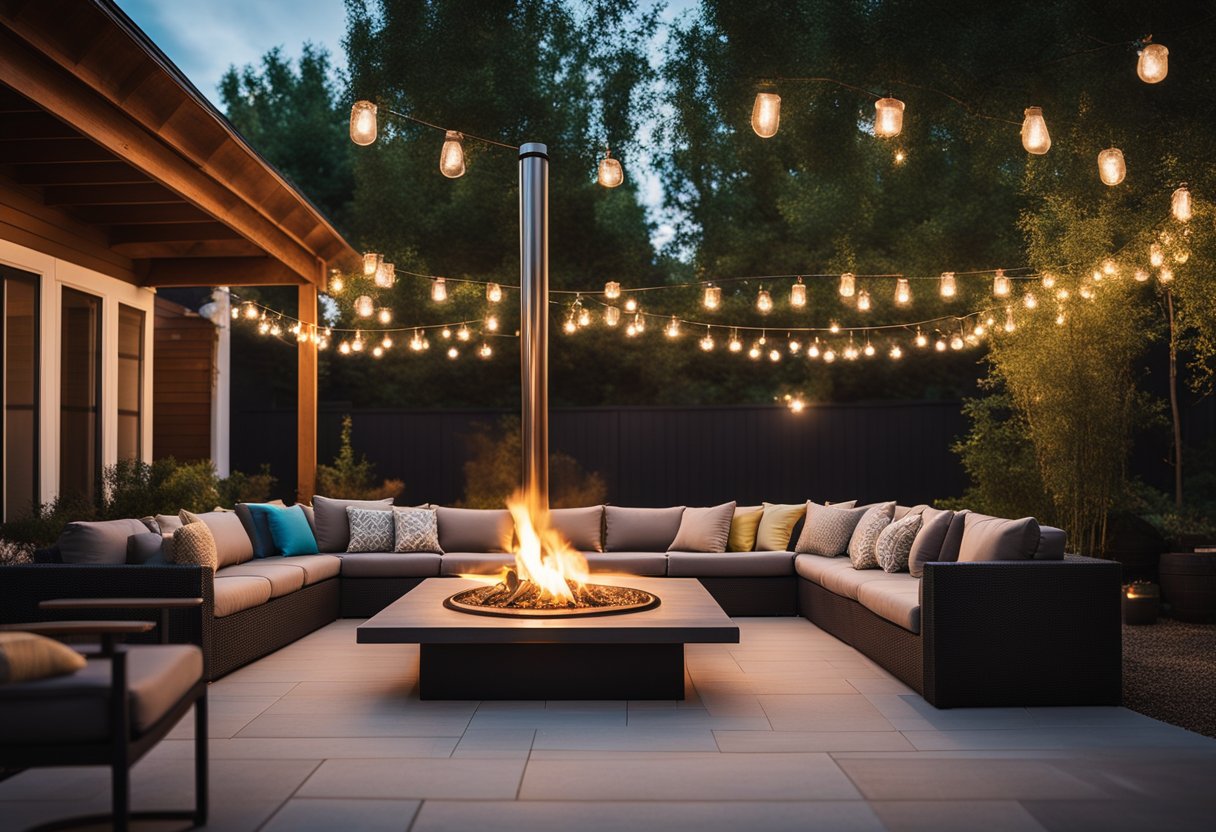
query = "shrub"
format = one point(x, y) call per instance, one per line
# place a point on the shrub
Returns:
point(353, 477)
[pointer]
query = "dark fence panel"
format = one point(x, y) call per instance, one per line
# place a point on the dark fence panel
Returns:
point(653, 456)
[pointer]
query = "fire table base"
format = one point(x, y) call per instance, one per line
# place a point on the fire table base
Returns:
point(551, 671)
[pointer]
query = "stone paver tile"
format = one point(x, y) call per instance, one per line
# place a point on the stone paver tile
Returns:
point(803, 741)
point(654, 737)
point(955, 816)
point(340, 724)
point(1120, 815)
point(513, 743)
point(316, 748)
point(1076, 738)
point(457, 779)
point(328, 814)
point(974, 779)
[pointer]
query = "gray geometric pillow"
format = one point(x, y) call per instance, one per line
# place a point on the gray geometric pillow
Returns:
point(895, 543)
point(416, 530)
point(827, 530)
point(371, 530)
point(861, 544)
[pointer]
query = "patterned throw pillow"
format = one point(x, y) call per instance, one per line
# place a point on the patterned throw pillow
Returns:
point(895, 543)
point(827, 530)
point(371, 530)
point(416, 530)
point(861, 544)
point(194, 545)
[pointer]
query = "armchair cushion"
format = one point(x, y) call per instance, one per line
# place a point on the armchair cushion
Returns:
point(25, 657)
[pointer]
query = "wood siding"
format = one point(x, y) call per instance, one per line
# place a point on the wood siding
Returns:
point(184, 373)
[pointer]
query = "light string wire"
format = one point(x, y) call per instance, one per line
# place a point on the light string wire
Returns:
point(433, 126)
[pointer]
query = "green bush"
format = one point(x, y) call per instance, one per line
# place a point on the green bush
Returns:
point(353, 477)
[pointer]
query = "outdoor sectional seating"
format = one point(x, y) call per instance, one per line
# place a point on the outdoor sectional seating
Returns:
point(1038, 631)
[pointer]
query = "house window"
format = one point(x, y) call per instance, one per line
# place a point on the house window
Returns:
point(19, 369)
point(80, 396)
point(130, 381)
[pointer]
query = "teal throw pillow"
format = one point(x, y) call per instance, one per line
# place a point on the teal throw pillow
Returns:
point(291, 533)
point(255, 517)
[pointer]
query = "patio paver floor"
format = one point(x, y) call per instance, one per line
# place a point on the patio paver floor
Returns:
point(788, 730)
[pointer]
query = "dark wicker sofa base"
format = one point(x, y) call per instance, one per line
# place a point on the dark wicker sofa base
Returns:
point(243, 637)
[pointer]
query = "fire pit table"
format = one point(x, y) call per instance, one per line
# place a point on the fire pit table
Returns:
point(628, 655)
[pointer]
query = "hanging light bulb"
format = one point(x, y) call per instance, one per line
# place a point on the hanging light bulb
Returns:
point(363, 123)
point(712, 298)
point(707, 342)
point(850, 352)
point(813, 350)
point(1141, 276)
point(754, 353)
point(377, 351)
point(631, 330)
point(610, 173)
point(631, 305)
point(491, 323)
point(829, 355)
point(1010, 325)
point(356, 345)
point(485, 351)
point(462, 334)
point(1048, 280)
point(672, 330)
point(453, 353)
point(940, 344)
point(1030, 301)
point(922, 340)
point(948, 287)
point(1063, 294)
point(276, 330)
point(612, 315)
point(493, 292)
point(584, 316)
point(764, 301)
point(1000, 284)
point(863, 301)
point(794, 346)
point(798, 294)
point(1166, 275)
point(385, 315)
point(1086, 292)
point(1035, 137)
point(1109, 267)
point(735, 345)
point(848, 285)
point(900, 156)
point(956, 342)
point(251, 311)
point(1180, 204)
point(797, 405)
point(335, 286)
point(888, 117)
point(766, 114)
point(612, 290)
point(1153, 64)
point(439, 290)
point(344, 348)
point(979, 331)
point(445, 334)
point(569, 327)
point(903, 291)
point(365, 307)
point(236, 313)
point(1155, 254)
point(868, 350)
point(896, 353)
point(386, 342)
point(451, 156)
point(1096, 276)
point(371, 262)
point(833, 327)
point(386, 275)
point(1111, 167)
point(639, 322)
point(774, 355)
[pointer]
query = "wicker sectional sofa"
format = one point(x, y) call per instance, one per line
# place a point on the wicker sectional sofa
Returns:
point(1039, 631)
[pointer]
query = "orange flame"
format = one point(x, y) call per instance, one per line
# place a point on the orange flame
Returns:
point(543, 556)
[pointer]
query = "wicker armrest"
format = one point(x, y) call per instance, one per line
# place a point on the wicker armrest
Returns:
point(1022, 632)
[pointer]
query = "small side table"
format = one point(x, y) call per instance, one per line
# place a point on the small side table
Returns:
point(1188, 585)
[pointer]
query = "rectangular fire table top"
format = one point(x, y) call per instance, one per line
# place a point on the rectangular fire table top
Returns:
point(687, 614)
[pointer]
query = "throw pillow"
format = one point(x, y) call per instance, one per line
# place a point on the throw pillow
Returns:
point(25, 657)
point(168, 523)
point(414, 530)
point(704, 529)
point(743, 528)
point(145, 548)
point(582, 528)
point(994, 538)
point(194, 545)
point(254, 517)
point(475, 529)
point(371, 530)
point(641, 529)
point(865, 535)
point(101, 541)
point(232, 544)
point(895, 543)
point(928, 543)
point(291, 533)
point(332, 524)
point(777, 526)
point(828, 530)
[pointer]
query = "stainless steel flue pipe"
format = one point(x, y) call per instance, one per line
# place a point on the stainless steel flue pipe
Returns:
point(534, 319)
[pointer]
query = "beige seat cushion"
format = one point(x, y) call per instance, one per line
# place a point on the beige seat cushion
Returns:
point(316, 567)
point(390, 565)
point(239, 593)
point(898, 601)
point(474, 563)
point(283, 578)
point(729, 564)
point(647, 564)
point(76, 707)
point(816, 568)
point(848, 582)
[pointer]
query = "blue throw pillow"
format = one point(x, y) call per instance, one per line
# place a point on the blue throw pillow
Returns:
point(291, 533)
point(255, 518)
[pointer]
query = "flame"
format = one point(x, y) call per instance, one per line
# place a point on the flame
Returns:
point(543, 556)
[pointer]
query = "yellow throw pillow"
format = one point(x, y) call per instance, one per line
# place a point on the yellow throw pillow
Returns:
point(25, 657)
point(777, 526)
point(743, 528)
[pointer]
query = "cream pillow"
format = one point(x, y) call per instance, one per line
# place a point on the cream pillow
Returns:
point(865, 536)
point(193, 545)
point(704, 529)
point(828, 530)
point(777, 526)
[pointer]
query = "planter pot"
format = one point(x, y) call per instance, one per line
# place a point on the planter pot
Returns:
point(1188, 585)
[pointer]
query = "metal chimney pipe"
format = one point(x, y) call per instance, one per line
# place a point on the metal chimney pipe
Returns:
point(534, 319)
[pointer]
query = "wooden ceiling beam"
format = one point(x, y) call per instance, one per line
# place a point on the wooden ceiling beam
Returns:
point(90, 173)
point(54, 151)
point(132, 194)
point(155, 214)
point(197, 248)
point(36, 124)
point(228, 271)
point(171, 232)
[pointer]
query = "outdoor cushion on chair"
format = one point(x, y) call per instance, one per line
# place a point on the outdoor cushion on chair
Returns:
point(255, 518)
point(927, 545)
point(896, 601)
point(291, 532)
point(729, 564)
point(75, 708)
point(743, 527)
point(815, 568)
point(647, 564)
point(390, 565)
point(283, 579)
point(25, 657)
point(848, 582)
point(315, 567)
point(777, 524)
point(988, 538)
point(1051, 543)
point(235, 594)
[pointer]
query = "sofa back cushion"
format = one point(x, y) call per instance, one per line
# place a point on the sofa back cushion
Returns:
point(232, 544)
point(777, 526)
point(995, 538)
point(290, 532)
point(927, 545)
point(1051, 543)
point(954, 537)
point(329, 518)
point(102, 541)
point(168, 523)
point(828, 529)
point(743, 528)
point(146, 548)
point(582, 528)
point(475, 529)
point(641, 529)
point(704, 529)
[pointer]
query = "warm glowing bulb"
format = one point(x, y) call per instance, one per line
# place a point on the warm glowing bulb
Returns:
point(1030, 301)
point(612, 315)
point(336, 285)
point(371, 262)
point(639, 323)
point(251, 311)
point(833, 327)
point(439, 290)
point(868, 349)
point(1035, 137)
point(610, 172)
point(863, 301)
point(754, 352)
point(1049, 280)
point(712, 298)
point(850, 353)
point(735, 344)
point(795, 346)
point(451, 156)
point(1109, 267)
point(386, 342)
point(948, 287)
point(940, 345)
point(764, 301)
point(1153, 64)
point(896, 353)
point(1063, 294)
point(922, 340)
point(1060, 319)
point(766, 114)
point(385, 315)
point(798, 294)
point(1000, 284)
point(453, 352)
point(386, 275)
point(493, 292)
point(1010, 326)
point(1141, 276)
point(462, 334)
point(1096, 275)
point(357, 344)
point(979, 331)
point(1155, 254)
point(417, 343)
point(485, 351)
point(612, 290)
point(1165, 275)
point(631, 305)
point(377, 351)
point(957, 343)
point(1180, 204)
point(829, 355)
point(903, 291)
point(672, 330)
point(569, 326)
point(797, 405)
point(584, 316)
point(363, 123)
point(1181, 255)
point(365, 307)
point(344, 348)
point(491, 323)
point(631, 330)
point(706, 343)
point(813, 350)
point(900, 156)
point(1086, 292)
point(1111, 167)
point(888, 117)
point(774, 355)
point(848, 285)
point(236, 313)
point(445, 334)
